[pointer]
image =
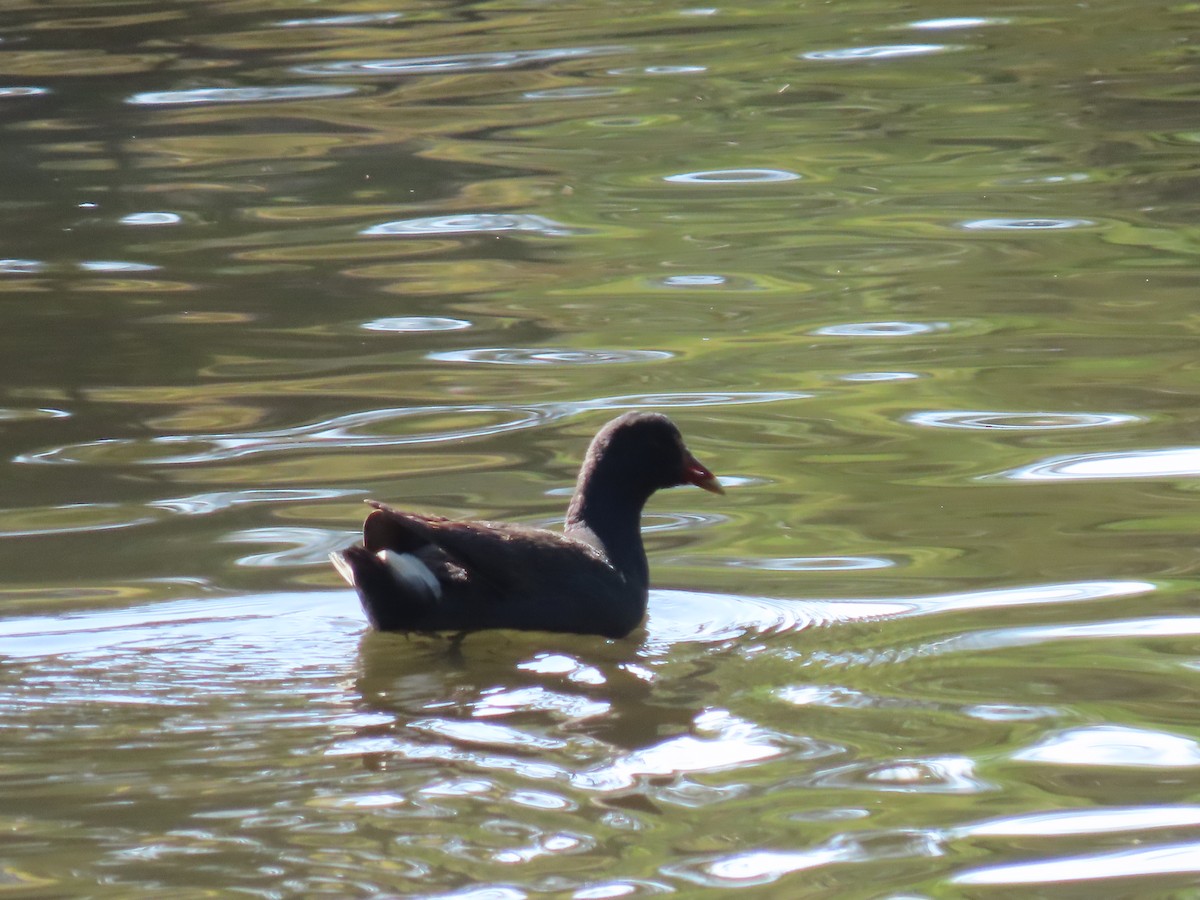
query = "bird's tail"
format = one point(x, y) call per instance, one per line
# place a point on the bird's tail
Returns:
point(397, 590)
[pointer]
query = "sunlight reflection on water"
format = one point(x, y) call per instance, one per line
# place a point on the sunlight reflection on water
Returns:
point(547, 356)
point(475, 223)
point(674, 617)
point(1017, 421)
point(884, 51)
point(453, 62)
point(1088, 821)
point(1162, 860)
point(1174, 462)
point(355, 430)
point(239, 95)
point(733, 176)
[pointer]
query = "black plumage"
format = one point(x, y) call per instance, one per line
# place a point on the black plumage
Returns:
point(416, 572)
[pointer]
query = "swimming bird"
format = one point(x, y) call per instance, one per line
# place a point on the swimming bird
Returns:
point(423, 573)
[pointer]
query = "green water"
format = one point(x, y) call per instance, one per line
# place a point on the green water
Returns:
point(918, 281)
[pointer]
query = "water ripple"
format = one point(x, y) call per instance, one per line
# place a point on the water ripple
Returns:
point(945, 775)
point(660, 70)
point(1175, 462)
point(409, 324)
point(239, 95)
point(1040, 224)
point(71, 518)
point(1114, 745)
point(566, 707)
point(705, 617)
point(957, 22)
point(475, 223)
point(286, 631)
point(884, 51)
point(216, 501)
point(760, 867)
point(1015, 421)
point(516, 356)
point(1169, 859)
point(1029, 636)
point(881, 329)
point(1064, 822)
point(1027, 595)
point(21, 266)
point(693, 281)
point(678, 400)
point(726, 740)
point(11, 414)
point(305, 546)
point(453, 62)
point(341, 432)
point(116, 265)
point(22, 91)
point(656, 522)
point(358, 430)
point(486, 734)
point(574, 93)
point(733, 176)
point(337, 21)
point(879, 376)
point(810, 563)
point(152, 218)
point(675, 617)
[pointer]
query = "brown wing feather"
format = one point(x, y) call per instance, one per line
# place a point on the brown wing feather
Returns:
point(503, 553)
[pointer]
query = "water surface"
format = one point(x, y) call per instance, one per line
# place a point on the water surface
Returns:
point(918, 282)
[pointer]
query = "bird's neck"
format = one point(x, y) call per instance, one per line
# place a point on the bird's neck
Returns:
point(609, 517)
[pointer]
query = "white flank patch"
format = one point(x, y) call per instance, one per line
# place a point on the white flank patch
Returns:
point(407, 568)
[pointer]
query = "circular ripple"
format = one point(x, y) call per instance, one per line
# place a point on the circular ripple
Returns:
point(1008, 421)
point(409, 324)
point(881, 329)
point(548, 356)
point(1024, 224)
point(733, 176)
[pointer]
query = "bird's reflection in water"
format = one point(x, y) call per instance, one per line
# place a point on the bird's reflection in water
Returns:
point(567, 685)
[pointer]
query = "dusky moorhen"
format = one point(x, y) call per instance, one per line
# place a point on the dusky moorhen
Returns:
point(427, 573)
